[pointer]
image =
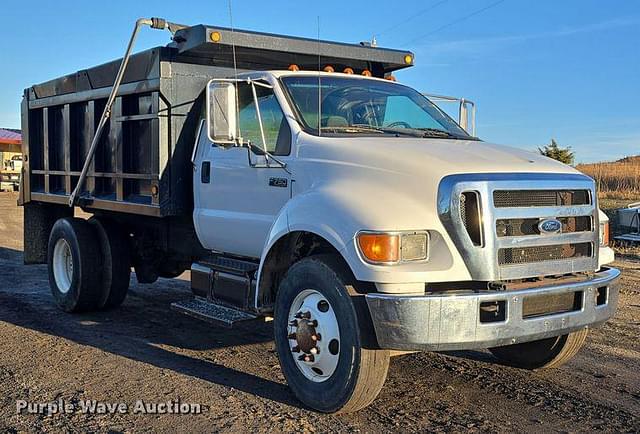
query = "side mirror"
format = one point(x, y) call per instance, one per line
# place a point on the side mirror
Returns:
point(222, 112)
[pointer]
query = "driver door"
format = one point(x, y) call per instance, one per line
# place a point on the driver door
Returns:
point(236, 204)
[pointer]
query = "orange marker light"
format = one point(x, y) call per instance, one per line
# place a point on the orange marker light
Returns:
point(348, 71)
point(328, 68)
point(366, 73)
point(215, 36)
point(390, 78)
point(380, 247)
point(294, 67)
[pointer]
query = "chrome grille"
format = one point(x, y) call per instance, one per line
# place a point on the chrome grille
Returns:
point(526, 198)
point(512, 206)
point(525, 255)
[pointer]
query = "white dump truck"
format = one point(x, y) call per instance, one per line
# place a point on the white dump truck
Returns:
point(298, 181)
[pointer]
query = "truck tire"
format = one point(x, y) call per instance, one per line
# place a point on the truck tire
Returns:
point(543, 354)
point(318, 338)
point(116, 265)
point(74, 262)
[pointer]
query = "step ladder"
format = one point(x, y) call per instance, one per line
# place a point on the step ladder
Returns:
point(213, 313)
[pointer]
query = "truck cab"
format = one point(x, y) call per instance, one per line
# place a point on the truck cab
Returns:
point(341, 203)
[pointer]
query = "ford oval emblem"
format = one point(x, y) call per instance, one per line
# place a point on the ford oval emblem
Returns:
point(549, 226)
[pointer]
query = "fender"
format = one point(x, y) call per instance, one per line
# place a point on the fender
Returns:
point(301, 214)
point(336, 212)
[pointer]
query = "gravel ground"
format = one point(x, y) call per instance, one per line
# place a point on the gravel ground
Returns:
point(145, 351)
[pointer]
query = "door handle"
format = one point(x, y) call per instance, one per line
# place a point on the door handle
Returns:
point(205, 174)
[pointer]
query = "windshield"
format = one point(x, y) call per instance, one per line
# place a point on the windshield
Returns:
point(363, 106)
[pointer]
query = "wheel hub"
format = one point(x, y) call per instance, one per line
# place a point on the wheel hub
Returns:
point(314, 335)
point(62, 265)
point(306, 336)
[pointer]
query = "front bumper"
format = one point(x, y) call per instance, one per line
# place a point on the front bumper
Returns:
point(446, 321)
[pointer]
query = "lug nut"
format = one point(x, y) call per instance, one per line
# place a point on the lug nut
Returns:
point(306, 358)
point(293, 323)
point(295, 349)
point(316, 337)
point(291, 336)
point(314, 350)
point(303, 315)
point(312, 323)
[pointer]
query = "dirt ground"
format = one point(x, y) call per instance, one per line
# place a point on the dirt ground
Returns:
point(145, 351)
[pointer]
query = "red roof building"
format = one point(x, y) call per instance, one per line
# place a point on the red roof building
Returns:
point(10, 140)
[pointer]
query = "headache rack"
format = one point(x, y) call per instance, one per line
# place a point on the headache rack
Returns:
point(141, 163)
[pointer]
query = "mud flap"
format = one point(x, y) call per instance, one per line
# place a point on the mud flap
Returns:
point(39, 218)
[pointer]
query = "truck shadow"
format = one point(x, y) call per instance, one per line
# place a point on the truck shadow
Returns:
point(143, 329)
point(477, 356)
point(12, 255)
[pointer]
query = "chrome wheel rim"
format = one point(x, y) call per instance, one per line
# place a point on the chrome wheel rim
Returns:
point(62, 265)
point(314, 335)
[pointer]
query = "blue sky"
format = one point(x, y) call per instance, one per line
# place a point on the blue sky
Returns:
point(565, 69)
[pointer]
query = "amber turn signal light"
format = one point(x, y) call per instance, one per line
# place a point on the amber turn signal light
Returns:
point(604, 234)
point(379, 248)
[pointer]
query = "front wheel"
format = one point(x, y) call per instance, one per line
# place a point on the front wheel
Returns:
point(318, 338)
point(542, 354)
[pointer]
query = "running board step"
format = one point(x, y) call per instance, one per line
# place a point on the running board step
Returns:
point(211, 312)
point(231, 265)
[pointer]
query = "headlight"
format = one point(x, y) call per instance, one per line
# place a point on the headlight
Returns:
point(394, 247)
point(604, 233)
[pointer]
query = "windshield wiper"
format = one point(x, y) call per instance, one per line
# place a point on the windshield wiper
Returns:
point(351, 129)
point(413, 132)
point(437, 132)
point(401, 131)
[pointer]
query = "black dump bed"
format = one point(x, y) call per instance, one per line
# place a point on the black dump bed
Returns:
point(141, 165)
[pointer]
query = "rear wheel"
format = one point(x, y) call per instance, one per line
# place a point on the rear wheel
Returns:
point(74, 265)
point(116, 267)
point(543, 354)
point(318, 339)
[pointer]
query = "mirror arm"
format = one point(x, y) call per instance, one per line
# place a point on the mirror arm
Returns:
point(255, 101)
point(268, 154)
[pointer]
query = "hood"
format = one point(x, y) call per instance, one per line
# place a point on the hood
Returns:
point(349, 184)
point(417, 157)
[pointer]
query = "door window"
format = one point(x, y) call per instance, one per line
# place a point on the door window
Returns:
point(277, 133)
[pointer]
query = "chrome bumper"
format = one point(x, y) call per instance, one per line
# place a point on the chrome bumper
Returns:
point(444, 321)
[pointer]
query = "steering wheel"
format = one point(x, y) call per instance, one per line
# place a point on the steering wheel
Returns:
point(402, 124)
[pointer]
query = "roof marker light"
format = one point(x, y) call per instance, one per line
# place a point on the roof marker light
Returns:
point(215, 36)
point(348, 70)
point(293, 67)
point(366, 73)
point(328, 68)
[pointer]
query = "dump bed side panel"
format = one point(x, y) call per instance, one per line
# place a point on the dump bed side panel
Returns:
point(141, 164)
